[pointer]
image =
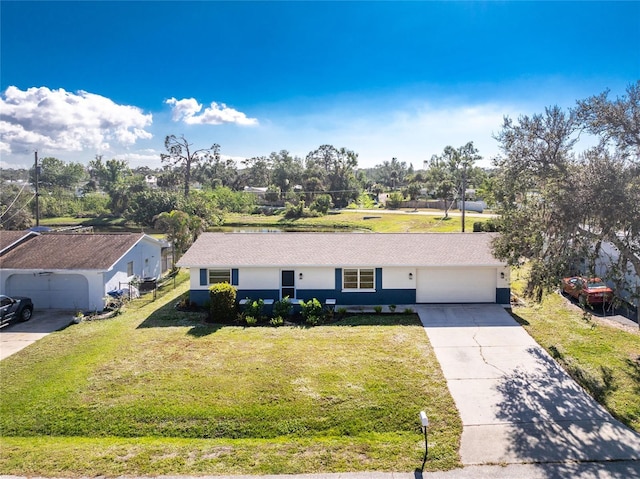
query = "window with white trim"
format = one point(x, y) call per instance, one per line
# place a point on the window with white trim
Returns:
point(219, 276)
point(363, 278)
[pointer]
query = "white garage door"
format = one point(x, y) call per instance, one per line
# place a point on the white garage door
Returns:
point(456, 285)
point(51, 291)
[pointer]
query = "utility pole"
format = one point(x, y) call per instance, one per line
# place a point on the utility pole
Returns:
point(464, 191)
point(37, 177)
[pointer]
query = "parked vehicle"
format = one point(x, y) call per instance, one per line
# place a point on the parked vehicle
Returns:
point(18, 308)
point(587, 290)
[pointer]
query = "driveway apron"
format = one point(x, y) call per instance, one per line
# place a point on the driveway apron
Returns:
point(17, 336)
point(517, 405)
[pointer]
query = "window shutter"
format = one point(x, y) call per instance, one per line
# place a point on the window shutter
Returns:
point(203, 277)
point(234, 277)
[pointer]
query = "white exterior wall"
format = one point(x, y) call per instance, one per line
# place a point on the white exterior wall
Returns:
point(146, 256)
point(398, 278)
point(609, 255)
point(258, 278)
point(194, 280)
point(97, 292)
point(316, 278)
point(503, 277)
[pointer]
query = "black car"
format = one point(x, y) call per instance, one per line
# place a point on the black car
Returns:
point(18, 308)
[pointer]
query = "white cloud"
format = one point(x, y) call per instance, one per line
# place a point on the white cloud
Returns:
point(40, 118)
point(187, 110)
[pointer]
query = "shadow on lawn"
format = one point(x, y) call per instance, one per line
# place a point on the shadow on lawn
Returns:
point(552, 420)
point(168, 317)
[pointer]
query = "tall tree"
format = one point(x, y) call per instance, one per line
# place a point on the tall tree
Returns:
point(181, 229)
point(180, 154)
point(286, 170)
point(55, 173)
point(559, 209)
point(336, 167)
point(448, 173)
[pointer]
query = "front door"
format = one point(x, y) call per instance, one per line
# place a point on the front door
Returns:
point(288, 284)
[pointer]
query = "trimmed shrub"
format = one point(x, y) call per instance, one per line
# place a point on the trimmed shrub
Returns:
point(377, 309)
point(277, 321)
point(254, 309)
point(282, 308)
point(223, 303)
point(311, 309)
point(312, 320)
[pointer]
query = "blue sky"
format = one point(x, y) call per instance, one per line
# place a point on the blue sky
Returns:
point(385, 79)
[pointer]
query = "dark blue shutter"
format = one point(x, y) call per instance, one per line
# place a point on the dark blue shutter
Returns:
point(234, 277)
point(204, 279)
point(378, 279)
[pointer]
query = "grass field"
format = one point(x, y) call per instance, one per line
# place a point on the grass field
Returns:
point(155, 391)
point(379, 222)
point(382, 221)
point(603, 358)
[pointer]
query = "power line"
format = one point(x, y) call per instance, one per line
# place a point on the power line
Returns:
point(15, 199)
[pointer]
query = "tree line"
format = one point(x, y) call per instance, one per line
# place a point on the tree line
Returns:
point(328, 177)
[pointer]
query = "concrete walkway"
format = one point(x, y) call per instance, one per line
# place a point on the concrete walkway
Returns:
point(517, 405)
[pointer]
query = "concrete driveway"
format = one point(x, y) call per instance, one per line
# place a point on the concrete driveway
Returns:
point(517, 405)
point(16, 336)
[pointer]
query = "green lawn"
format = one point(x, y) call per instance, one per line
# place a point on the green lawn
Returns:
point(379, 222)
point(155, 391)
point(604, 359)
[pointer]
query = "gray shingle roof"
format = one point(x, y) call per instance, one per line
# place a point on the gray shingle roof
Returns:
point(340, 249)
point(70, 251)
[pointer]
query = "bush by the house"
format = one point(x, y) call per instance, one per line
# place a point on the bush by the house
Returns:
point(312, 311)
point(254, 309)
point(283, 307)
point(223, 302)
point(276, 321)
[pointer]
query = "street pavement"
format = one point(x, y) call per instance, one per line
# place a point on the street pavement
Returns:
point(18, 335)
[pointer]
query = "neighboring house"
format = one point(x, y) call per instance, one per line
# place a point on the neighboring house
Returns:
point(74, 271)
point(608, 265)
point(351, 268)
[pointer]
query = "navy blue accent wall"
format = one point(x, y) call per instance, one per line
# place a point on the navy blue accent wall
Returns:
point(258, 294)
point(234, 277)
point(204, 280)
point(380, 297)
point(199, 296)
point(503, 295)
